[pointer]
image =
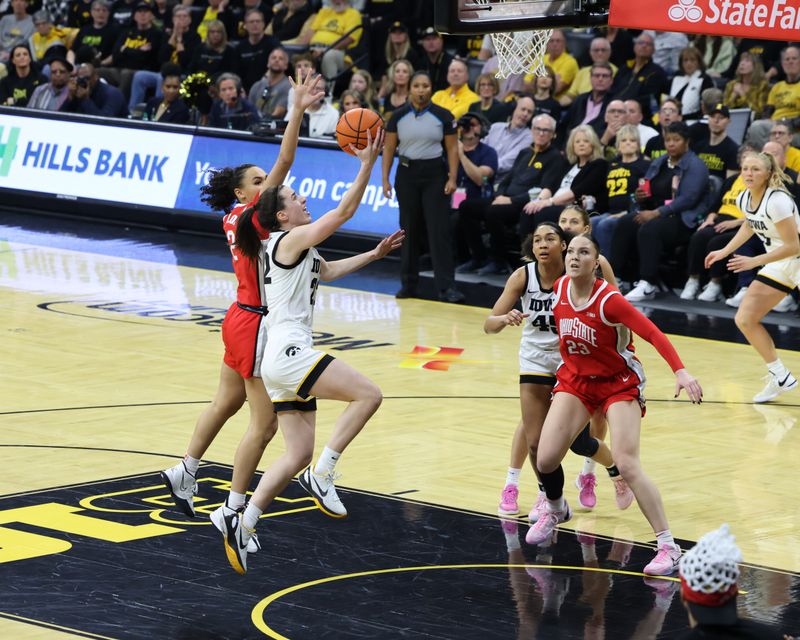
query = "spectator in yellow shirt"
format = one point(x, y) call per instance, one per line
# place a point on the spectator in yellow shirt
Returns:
point(557, 58)
point(458, 96)
point(782, 134)
point(783, 101)
point(326, 28)
point(49, 41)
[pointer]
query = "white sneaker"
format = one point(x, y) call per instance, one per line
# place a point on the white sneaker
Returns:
point(690, 289)
point(785, 305)
point(711, 292)
point(736, 300)
point(322, 489)
point(775, 387)
point(642, 291)
point(182, 486)
point(218, 520)
point(236, 538)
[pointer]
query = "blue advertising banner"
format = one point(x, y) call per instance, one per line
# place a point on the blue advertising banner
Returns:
point(321, 175)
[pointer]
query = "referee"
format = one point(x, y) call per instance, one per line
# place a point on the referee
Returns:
point(424, 181)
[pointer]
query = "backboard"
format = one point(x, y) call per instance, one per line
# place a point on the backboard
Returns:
point(464, 17)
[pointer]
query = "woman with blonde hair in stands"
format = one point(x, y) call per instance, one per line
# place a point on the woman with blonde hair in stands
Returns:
point(398, 82)
point(771, 213)
point(749, 89)
point(487, 87)
point(361, 81)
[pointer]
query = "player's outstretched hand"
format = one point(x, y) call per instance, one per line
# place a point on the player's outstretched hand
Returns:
point(389, 244)
point(514, 318)
point(309, 91)
point(712, 257)
point(369, 154)
point(685, 380)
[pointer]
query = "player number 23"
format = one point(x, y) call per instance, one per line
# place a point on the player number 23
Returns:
point(577, 348)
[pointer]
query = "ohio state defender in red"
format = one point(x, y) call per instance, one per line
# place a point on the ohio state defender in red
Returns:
point(601, 371)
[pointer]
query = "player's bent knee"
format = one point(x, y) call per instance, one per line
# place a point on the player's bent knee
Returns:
point(628, 466)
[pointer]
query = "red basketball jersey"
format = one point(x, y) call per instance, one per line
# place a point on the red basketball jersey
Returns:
point(596, 338)
point(249, 273)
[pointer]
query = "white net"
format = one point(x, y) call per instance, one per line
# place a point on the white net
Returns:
point(521, 52)
point(711, 565)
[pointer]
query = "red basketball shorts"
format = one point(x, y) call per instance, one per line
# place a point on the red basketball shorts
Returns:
point(244, 335)
point(600, 393)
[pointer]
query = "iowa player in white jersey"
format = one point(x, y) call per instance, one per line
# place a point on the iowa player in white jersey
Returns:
point(539, 358)
point(295, 373)
point(772, 215)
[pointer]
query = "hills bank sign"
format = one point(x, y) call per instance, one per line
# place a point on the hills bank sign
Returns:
point(762, 19)
point(92, 161)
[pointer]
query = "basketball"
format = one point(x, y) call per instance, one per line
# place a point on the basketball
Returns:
point(353, 126)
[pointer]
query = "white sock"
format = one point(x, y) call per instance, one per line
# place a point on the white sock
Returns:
point(251, 515)
point(588, 552)
point(512, 477)
point(777, 369)
point(664, 538)
point(327, 461)
point(235, 500)
point(191, 464)
point(557, 504)
point(588, 466)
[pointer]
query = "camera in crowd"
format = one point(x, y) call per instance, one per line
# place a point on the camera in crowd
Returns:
point(83, 83)
point(467, 122)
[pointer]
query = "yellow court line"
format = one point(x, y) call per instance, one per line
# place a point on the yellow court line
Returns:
point(50, 625)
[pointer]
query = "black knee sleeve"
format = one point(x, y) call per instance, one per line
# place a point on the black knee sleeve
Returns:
point(585, 445)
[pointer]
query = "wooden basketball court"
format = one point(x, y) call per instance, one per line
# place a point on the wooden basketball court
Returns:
point(108, 361)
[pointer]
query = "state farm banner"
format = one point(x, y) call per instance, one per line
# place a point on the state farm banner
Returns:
point(762, 19)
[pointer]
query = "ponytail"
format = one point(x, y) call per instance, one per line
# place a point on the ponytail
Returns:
point(266, 210)
point(219, 194)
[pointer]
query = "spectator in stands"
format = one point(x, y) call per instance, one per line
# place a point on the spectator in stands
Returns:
point(215, 55)
point(436, 61)
point(48, 41)
point(98, 36)
point(396, 92)
point(22, 80)
point(254, 50)
point(303, 64)
point(621, 45)
point(622, 179)
point(709, 99)
point(270, 95)
point(717, 53)
point(322, 119)
point(690, 81)
point(330, 34)
point(457, 97)
point(231, 110)
point(782, 134)
point(288, 21)
point(398, 47)
point(80, 13)
point(89, 96)
point(168, 107)
point(538, 167)
point(667, 212)
point(122, 13)
point(216, 10)
point(634, 116)
point(543, 90)
point(719, 226)
point(590, 107)
point(749, 88)
point(558, 58)
point(614, 121)
point(15, 28)
point(768, 51)
point(351, 99)
point(667, 48)
point(385, 16)
point(583, 183)
point(600, 51)
point(51, 95)
point(362, 81)
point(669, 112)
point(487, 87)
point(509, 138)
point(136, 48)
point(717, 150)
point(783, 101)
point(641, 79)
point(476, 170)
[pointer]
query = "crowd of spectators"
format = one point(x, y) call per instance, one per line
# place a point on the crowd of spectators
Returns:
point(632, 127)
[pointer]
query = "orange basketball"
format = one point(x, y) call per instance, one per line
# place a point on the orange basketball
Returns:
point(353, 126)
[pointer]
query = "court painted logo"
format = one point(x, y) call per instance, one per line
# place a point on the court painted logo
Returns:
point(8, 149)
point(433, 358)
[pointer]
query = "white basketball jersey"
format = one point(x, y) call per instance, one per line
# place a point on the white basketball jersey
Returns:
point(291, 289)
point(539, 332)
point(776, 205)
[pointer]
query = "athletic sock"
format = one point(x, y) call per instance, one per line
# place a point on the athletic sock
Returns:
point(556, 505)
point(251, 515)
point(512, 476)
point(613, 472)
point(777, 369)
point(191, 464)
point(664, 538)
point(327, 461)
point(589, 552)
point(235, 500)
point(588, 466)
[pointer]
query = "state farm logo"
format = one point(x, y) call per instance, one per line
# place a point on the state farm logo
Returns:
point(685, 10)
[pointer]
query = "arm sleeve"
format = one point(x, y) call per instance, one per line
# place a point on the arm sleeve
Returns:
point(618, 310)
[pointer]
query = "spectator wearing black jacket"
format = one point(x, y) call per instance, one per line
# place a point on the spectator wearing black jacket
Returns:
point(98, 36)
point(90, 96)
point(136, 48)
point(254, 50)
point(23, 77)
point(231, 110)
point(215, 55)
point(641, 79)
point(590, 107)
point(80, 13)
point(288, 21)
point(122, 13)
point(169, 107)
point(434, 59)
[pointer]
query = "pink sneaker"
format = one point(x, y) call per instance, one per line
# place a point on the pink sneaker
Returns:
point(508, 501)
point(623, 494)
point(511, 527)
point(546, 524)
point(586, 484)
point(539, 508)
point(665, 563)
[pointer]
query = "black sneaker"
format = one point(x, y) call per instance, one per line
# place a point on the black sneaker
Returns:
point(236, 539)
